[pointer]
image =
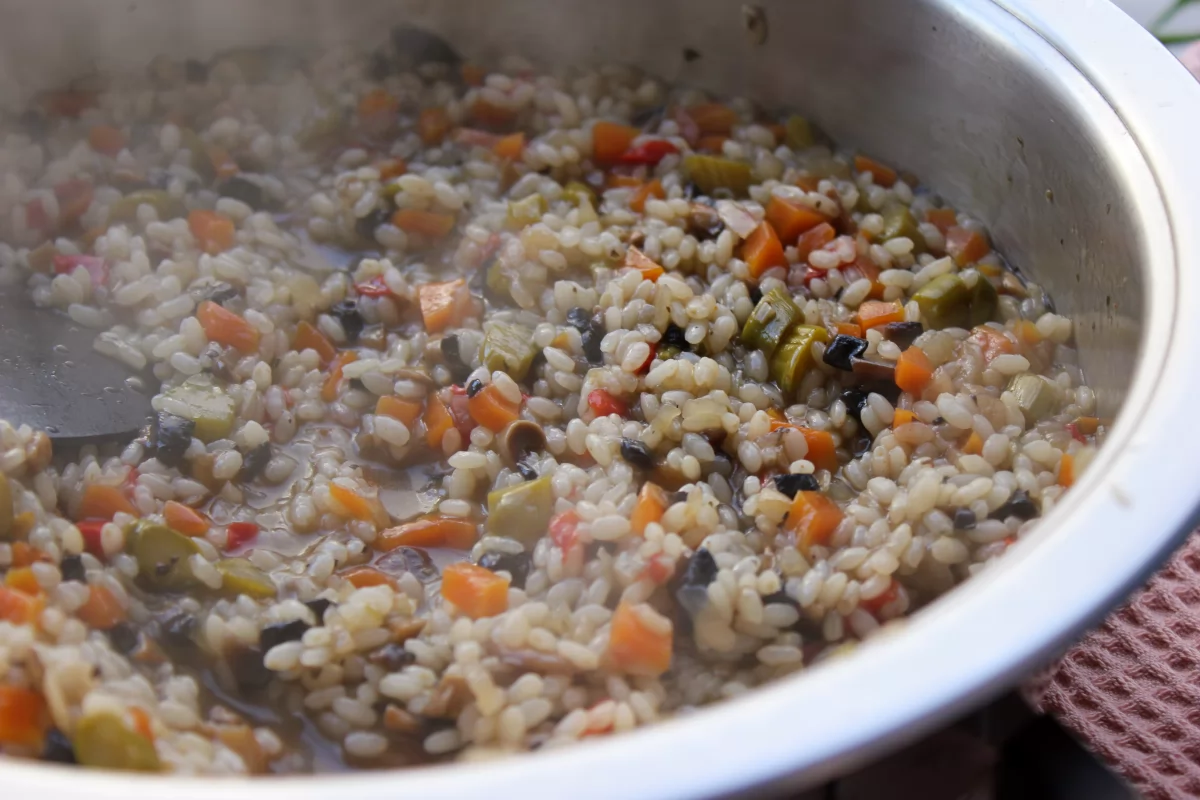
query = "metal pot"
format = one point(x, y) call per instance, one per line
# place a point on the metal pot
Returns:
point(1059, 122)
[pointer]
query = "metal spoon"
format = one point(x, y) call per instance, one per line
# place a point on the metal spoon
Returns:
point(52, 379)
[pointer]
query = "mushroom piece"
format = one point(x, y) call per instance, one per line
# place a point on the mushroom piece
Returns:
point(520, 439)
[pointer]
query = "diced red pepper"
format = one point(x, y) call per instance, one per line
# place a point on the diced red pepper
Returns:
point(650, 152)
point(564, 530)
point(373, 288)
point(1078, 436)
point(645, 367)
point(239, 533)
point(97, 267)
point(659, 569)
point(90, 528)
point(461, 412)
point(604, 404)
point(882, 599)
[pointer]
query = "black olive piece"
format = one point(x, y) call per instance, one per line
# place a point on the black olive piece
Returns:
point(527, 472)
point(246, 666)
point(319, 606)
point(637, 453)
point(452, 355)
point(254, 462)
point(195, 71)
point(842, 349)
point(124, 637)
point(903, 333)
point(964, 519)
point(416, 46)
point(365, 226)
point(796, 482)
point(1018, 505)
point(855, 400)
point(704, 222)
point(579, 318)
point(58, 748)
point(178, 629)
point(72, 569)
point(356, 383)
point(592, 338)
point(245, 190)
point(780, 597)
point(172, 438)
point(755, 294)
point(673, 336)
point(474, 387)
point(281, 632)
point(868, 370)
point(691, 590)
point(392, 657)
point(643, 118)
point(515, 564)
point(409, 559)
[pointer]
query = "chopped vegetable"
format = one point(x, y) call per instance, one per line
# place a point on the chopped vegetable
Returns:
point(692, 589)
point(475, 591)
point(164, 558)
point(444, 304)
point(377, 106)
point(842, 349)
point(914, 371)
point(902, 417)
point(511, 146)
point(1086, 425)
point(651, 505)
point(875, 313)
point(564, 530)
point(646, 191)
point(227, 328)
point(1037, 396)
point(640, 640)
point(884, 175)
point(576, 193)
point(101, 611)
point(638, 260)
point(796, 482)
point(102, 739)
point(430, 224)
point(184, 519)
point(649, 153)
point(166, 206)
point(333, 381)
point(712, 173)
point(529, 210)
point(214, 232)
point(790, 220)
point(515, 564)
point(24, 717)
point(713, 143)
point(438, 422)
point(239, 533)
point(205, 404)
point(490, 115)
point(793, 358)
point(903, 333)
point(898, 221)
point(508, 347)
point(763, 250)
point(407, 411)
point(103, 502)
point(1018, 505)
point(95, 266)
point(821, 450)
point(309, 338)
point(357, 506)
point(772, 319)
point(240, 577)
point(604, 404)
point(974, 444)
point(436, 530)
point(521, 511)
point(23, 580)
point(1066, 471)
point(813, 518)
point(74, 197)
point(814, 239)
point(610, 140)
point(106, 139)
point(966, 246)
point(942, 218)
point(364, 576)
point(20, 608)
point(713, 118)
point(491, 409)
point(433, 124)
point(991, 342)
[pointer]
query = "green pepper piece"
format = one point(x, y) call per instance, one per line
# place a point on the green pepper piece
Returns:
point(798, 133)
point(239, 576)
point(793, 359)
point(1037, 396)
point(526, 211)
point(163, 557)
point(667, 351)
point(770, 321)
point(508, 348)
point(898, 220)
point(6, 508)
point(576, 192)
point(984, 301)
point(104, 740)
point(497, 281)
point(204, 403)
point(165, 206)
point(522, 511)
point(945, 302)
point(711, 173)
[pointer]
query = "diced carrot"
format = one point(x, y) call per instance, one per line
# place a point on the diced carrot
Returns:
point(106, 139)
point(18, 607)
point(214, 232)
point(101, 611)
point(778, 130)
point(640, 640)
point(377, 106)
point(809, 183)
point(647, 190)
point(475, 591)
point(713, 143)
point(874, 313)
point(430, 224)
point(763, 250)
point(23, 580)
point(22, 524)
point(141, 722)
point(649, 268)
point(223, 326)
point(1066, 471)
point(435, 530)
point(438, 422)
point(356, 506)
point(875, 604)
point(966, 247)
point(991, 342)
point(24, 718)
point(185, 519)
point(1087, 425)
point(615, 181)
point(392, 168)
point(223, 163)
point(902, 417)
point(24, 554)
point(792, 219)
point(849, 329)
point(511, 146)
point(713, 118)
point(443, 304)
point(364, 576)
point(473, 74)
point(74, 198)
point(942, 218)
point(813, 519)
point(1027, 334)
point(814, 239)
point(491, 115)
point(914, 371)
point(610, 140)
point(650, 506)
point(491, 409)
point(407, 411)
point(974, 444)
point(884, 175)
point(433, 124)
point(333, 381)
point(309, 338)
point(821, 450)
point(103, 502)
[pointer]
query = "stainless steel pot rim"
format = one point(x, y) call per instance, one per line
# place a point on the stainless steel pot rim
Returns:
point(1129, 510)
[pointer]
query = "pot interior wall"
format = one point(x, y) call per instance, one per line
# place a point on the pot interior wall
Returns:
point(922, 85)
